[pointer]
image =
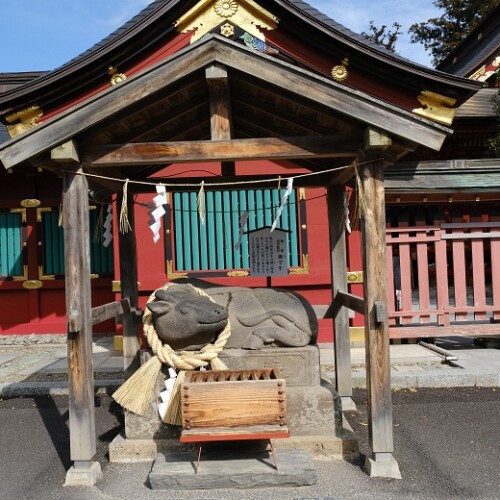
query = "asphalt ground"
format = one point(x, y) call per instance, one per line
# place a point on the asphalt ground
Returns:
point(446, 441)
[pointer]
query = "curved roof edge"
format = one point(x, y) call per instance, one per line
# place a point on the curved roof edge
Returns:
point(481, 43)
point(140, 32)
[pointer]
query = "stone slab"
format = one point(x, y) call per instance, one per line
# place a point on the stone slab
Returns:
point(299, 366)
point(232, 470)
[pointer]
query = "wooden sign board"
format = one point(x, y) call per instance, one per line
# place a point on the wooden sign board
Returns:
point(268, 252)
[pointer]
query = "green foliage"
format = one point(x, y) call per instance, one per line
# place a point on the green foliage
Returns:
point(440, 35)
point(384, 36)
point(494, 143)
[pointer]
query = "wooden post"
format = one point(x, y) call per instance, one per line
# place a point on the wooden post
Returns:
point(79, 327)
point(378, 369)
point(220, 104)
point(129, 289)
point(343, 375)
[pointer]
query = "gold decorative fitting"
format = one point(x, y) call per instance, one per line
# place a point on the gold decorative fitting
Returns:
point(436, 107)
point(232, 274)
point(24, 120)
point(339, 72)
point(115, 76)
point(226, 8)
point(21, 211)
point(30, 203)
point(207, 15)
point(305, 266)
point(116, 286)
point(23, 277)
point(171, 274)
point(355, 277)
point(227, 30)
point(32, 284)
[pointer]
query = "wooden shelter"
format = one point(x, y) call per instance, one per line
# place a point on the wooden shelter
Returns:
point(224, 82)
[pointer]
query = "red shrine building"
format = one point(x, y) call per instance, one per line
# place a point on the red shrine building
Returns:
point(239, 96)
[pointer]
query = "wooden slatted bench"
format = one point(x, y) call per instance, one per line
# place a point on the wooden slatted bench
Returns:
point(233, 405)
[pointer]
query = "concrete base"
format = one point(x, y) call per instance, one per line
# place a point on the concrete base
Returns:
point(314, 410)
point(382, 465)
point(232, 470)
point(87, 476)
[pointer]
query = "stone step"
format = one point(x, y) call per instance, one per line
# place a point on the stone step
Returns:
point(232, 469)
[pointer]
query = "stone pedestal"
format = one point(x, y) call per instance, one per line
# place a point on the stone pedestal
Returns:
point(314, 411)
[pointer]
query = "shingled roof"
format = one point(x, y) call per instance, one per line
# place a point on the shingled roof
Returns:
point(146, 31)
point(480, 47)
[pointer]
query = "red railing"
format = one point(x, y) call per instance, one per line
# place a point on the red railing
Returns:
point(444, 279)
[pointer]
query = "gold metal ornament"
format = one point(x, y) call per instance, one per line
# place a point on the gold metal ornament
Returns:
point(226, 8)
point(30, 203)
point(339, 72)
point(116, 77)
point(207, 15)
point(436, 107)
point(32, 284)
point(27, 119)
point(227, 30)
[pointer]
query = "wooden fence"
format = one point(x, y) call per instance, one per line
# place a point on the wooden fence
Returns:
point(444, 279)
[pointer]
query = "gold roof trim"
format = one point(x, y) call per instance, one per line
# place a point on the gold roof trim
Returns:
point(436, 107)
point(208, 14)
point(23, 120)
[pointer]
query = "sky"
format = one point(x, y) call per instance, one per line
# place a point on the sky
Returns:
point(40, 35)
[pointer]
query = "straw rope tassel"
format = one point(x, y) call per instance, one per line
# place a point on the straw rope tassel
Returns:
point(135, 394)
point(361, 207)
point(124, 222)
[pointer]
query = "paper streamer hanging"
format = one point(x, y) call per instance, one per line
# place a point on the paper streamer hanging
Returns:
point(284, 198)
point(242, 223)
point(200, 203)
point(346, 211)
point(157, 211)
point(107, 235)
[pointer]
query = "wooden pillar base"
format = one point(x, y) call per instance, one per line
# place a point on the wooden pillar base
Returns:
point(382, 465)
point(83, 474)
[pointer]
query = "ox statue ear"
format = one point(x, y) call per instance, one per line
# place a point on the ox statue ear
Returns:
point(160, 307)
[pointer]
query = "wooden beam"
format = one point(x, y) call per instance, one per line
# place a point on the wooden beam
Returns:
point(127, 248)
point(220, 103)
point(342, 345)
point(159, 153)
point(65, 153)
point(376, 332)
point(376, 138)
point(78, 311)
point(335, 98)
point(338, 98)
point(109, 311)
point(351, 301)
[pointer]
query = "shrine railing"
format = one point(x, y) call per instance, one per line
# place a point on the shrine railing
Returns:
point(444, 279)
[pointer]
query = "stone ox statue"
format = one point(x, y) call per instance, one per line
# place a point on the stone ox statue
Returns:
point(259, 317)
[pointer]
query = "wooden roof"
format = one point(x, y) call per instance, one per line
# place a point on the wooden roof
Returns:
point(283, 101)
point(269, 98)
point(479, 48)
point(444, 175)
point(151, 28)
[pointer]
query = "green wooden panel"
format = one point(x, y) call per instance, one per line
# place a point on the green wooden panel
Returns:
point(178, 233)
point(10, 244)
point(219, 230)
point(211, 246)
point(210, 199)
point(195, 230)
point(226, 225)
point(101, 258)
